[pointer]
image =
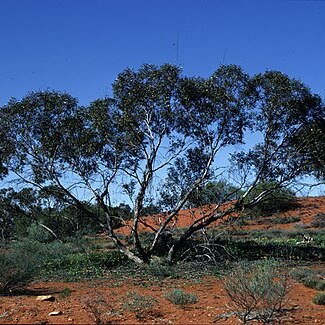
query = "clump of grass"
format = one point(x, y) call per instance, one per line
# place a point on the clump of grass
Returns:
point(286, 220)
point(318, 221)
point(180, 297)
point(319, 299)
point(99, 309)
point(159, 268)
point(301, 273)
point(309, 278)
point(66, 292)
point(139, 303)
point(314, 283)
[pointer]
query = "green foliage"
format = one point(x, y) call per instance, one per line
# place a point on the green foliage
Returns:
point(258, 290)
point(180, 297)
point(81, 265)
point(15, 211)
point(17, 270)
point(309, 278)
point(319, 299)
point(70, 261)
point(37, 233)
point(25, 260)
point(213, 193)
point(276, 199)
point(157, 123)
point(310, 141)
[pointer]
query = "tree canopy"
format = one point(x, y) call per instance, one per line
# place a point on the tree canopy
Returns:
point(160, 140)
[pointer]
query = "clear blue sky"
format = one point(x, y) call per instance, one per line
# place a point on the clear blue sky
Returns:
point(81, 45)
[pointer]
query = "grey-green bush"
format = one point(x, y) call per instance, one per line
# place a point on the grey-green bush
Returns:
point(319, 299)
point(138, 303)
point(180, 297)
point(258, 290)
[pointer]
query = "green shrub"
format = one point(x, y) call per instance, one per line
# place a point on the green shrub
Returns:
point(257, 289)
point(138, 303)
point(72, 267)
point(45, 252)
point(113, 258)
point(319, 299)
point(29, 258)
point(180, 297)
point(17, 270)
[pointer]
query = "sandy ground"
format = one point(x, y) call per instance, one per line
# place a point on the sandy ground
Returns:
point(102, 301)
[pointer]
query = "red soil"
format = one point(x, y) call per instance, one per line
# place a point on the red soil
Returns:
point(306, 209)
point(106, 297)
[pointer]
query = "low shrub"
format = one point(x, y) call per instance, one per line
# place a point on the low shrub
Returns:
point(180, 297)
point(286, 220)
point(301, 273)
point(73, 267)
point(66, 292)
point(311, 282)
point(309, 278)
point(36, 232)
point(258, 290)
point(318, 221)
point(99, 309)
point(139, 303)
point(319, 299)
point(321, 285)
point(17, 270)
point(27, 259)
point(158, 267)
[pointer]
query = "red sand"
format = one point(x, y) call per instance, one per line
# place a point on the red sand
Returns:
point(106, 297)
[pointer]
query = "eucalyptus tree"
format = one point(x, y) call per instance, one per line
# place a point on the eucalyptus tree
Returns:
point(158, 139)
point(270, 110)
point(57, 146)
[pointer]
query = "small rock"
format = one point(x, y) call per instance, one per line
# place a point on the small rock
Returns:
point(45, 298)
point(55, 313)
point(70, 319)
